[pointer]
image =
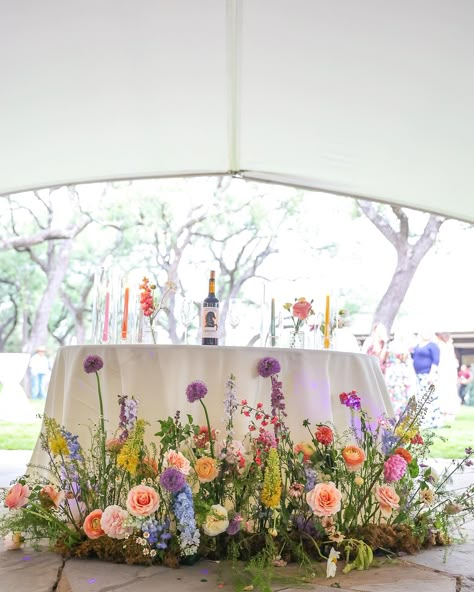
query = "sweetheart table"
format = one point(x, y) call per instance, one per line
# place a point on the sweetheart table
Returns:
point(157, 376)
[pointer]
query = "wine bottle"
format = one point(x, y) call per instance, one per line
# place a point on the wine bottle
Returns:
point(210, 314)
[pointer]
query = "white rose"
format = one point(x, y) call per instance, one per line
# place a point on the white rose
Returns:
point(217, 521)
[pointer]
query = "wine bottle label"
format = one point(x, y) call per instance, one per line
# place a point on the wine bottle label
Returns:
point(210, 321)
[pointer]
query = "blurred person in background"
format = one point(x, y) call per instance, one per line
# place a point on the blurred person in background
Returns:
point(425, 362)
point(447, 383)
point(376, 344)
point(39, 371)
point(400, 375)
point(464, 379)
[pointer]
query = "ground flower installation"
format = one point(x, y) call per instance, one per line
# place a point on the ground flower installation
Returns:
point(198, 492)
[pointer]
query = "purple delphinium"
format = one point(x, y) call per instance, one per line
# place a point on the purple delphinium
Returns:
point(172, 480)
point(234, 525)
point(93, 364)
point(277, 398)
point(305, 525)
point(128, 415)
point(311, 478)
point(268, 366)
point(196, 390)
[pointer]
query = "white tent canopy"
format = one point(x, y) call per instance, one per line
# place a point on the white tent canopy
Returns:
point(370, 98)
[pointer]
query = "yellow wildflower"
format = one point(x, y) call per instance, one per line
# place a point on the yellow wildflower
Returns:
point(406, 430)
point(58, 445)
point(129, 456)
point(271, 491)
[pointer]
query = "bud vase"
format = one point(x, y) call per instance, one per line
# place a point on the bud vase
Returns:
point(296, 339)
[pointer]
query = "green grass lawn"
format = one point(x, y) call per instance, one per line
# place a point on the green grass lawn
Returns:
point(21, 436)
point(459, 435)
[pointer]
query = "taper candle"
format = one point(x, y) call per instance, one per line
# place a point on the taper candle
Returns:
point(105, 332)
point(327, 322)
point(272, 325)
point(125, 313)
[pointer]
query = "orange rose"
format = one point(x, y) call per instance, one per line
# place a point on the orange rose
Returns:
point(92, 526)
point(306, 449)
point(353, 457)
point(387, 498)
point(206, 469)
point(324, 499)
point(403, 452)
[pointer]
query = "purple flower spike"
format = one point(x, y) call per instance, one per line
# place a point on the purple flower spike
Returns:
point(196, 390)
point(93, 364)
point(172, 480)
point(268, 366)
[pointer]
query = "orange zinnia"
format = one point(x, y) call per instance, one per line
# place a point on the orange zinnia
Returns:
point(353, 457)
point(403, 452)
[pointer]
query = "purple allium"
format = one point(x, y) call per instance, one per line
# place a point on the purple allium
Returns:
point(234, 525)
point(196, 390)
point(172, 480)
point(268, 366)
point(394, 468)
point(93, 364)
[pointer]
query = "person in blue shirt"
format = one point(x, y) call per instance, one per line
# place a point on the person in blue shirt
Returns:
point(425, 362)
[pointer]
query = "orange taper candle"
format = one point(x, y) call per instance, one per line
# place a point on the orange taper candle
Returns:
point(125, 313)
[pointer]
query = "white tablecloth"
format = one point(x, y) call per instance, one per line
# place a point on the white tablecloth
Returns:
point(157, 375)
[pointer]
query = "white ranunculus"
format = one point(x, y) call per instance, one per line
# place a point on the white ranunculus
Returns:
point(217, 521)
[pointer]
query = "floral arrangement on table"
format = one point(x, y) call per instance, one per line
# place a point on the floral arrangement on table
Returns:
point(299, 311)
point(150, 304)
point(199, 492)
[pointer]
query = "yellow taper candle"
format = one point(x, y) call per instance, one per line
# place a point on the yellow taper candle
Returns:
point(327, 322)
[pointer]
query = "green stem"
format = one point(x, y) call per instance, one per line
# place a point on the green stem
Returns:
point(102, 439)
point(208, 429)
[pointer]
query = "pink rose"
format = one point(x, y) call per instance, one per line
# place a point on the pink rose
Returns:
point(177, 461)
point(92, 526)
point(51, 495)
point(301, 309)
point(324, 499)
point(18, 496)
point(388, 499)
point(142, 500)
point(114, 522)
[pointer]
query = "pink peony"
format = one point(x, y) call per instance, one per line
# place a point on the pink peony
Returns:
point(18, 496)
point(394, 468)
point(142, 500)
point(114, 522)
point(324, 499)
point(92, 526)
point(54, 497)
point(178, 461)
point(387, 498)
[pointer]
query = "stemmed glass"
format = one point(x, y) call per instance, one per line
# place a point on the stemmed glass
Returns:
point(234, 313)
point(187, 315)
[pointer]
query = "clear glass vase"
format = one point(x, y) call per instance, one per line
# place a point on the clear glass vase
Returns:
point(296, 339)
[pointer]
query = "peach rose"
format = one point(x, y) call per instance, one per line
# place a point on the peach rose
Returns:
point(301, 309)
point(142, 500)
point(388, 499)
point(206, 469)
point(324, 499)
point(92, 526)
point(353, 457)
point(17, 497)
point(51, 496)
point(178, 461)
point(306, 449)
point(114, 522)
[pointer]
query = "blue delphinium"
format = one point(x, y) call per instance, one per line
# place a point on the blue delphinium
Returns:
point(183, 508)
